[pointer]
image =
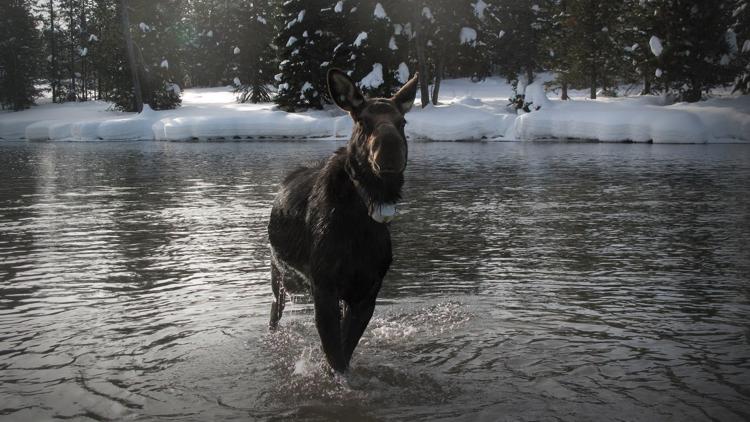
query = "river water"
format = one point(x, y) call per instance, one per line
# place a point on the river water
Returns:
point(531, 281)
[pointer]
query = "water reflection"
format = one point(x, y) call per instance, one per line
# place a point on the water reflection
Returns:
point(531, 281)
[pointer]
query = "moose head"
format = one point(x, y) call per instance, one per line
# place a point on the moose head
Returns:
point(378, 141)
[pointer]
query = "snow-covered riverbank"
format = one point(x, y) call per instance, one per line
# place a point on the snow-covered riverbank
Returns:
point(469, 111)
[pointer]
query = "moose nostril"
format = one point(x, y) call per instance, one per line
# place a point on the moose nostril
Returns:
point(388, 155)
point(388, 163)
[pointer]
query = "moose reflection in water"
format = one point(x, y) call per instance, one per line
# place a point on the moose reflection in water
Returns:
point(328, 227)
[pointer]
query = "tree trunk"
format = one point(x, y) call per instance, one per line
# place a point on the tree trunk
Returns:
point(646, 85)
point(53, 51)
point(424, 88)
point(564, 93)
point(694, 92)
point(147, 92)
point(529, 80)
point(71, 96)
point(84, 67)
point(438, 77)
point(131, 56)
point(593, 82)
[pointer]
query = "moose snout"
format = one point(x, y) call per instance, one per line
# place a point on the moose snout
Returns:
point(388, 152)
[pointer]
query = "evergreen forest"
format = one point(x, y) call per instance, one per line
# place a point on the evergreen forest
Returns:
point(134, 52)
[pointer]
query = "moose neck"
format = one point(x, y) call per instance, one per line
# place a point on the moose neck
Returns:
point(373, 189)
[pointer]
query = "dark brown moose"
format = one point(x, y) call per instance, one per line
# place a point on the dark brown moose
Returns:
point(328, 228)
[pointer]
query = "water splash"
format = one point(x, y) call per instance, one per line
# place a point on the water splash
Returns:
point(431, 320)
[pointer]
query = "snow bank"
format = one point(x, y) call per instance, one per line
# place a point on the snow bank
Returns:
point(638, 119)
point(457, 121)
point(468, 111)
point(122, 128)
point(610, 123)
point(536, 96)
point(237, 125)
point(726, 119)
point(65, 121)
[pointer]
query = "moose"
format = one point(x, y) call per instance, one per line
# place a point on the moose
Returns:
point(329, 222)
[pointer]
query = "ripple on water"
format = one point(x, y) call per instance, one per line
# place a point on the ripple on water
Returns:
point(530, 282)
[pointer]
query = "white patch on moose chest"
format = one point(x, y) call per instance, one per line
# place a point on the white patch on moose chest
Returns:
point(383, 212)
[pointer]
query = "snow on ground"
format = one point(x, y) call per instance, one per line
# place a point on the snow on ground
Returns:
point(639, 119)
point(467, 111)
point(611, 122)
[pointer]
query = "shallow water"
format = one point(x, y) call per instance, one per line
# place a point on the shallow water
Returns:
point(530, 282)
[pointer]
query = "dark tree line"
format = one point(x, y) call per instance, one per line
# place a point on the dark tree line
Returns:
point(76, 49)
point(19, 58)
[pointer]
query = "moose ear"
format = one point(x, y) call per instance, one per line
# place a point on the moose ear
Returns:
point(343, 91)
point(405, 96)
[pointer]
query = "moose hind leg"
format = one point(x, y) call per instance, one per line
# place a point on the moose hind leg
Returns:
point(279, 297)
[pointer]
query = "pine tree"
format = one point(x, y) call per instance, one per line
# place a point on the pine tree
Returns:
point(20, 47)
point(69, 34)
point(107, 54)
point(594, 53)
point(338, 30)
point(305, 52)
point(453, 40)
point(741, 47)
point(521, 23)
point(211, 29)
point(48, 11)
point(443, 38)
point(59, 51)
point(86, 78)
point(73, 49)
point(253, 57)
point(639, 62)
point(520, 42)
point(413, 25)
point(403, 36)
point(374, 48)
point(558, 41)
point(473, 58)
point(154, 27)
point(696, 55)
point(68, 48)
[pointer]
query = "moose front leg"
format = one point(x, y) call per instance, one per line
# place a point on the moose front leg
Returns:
point(356, 317)
point(327, 320)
